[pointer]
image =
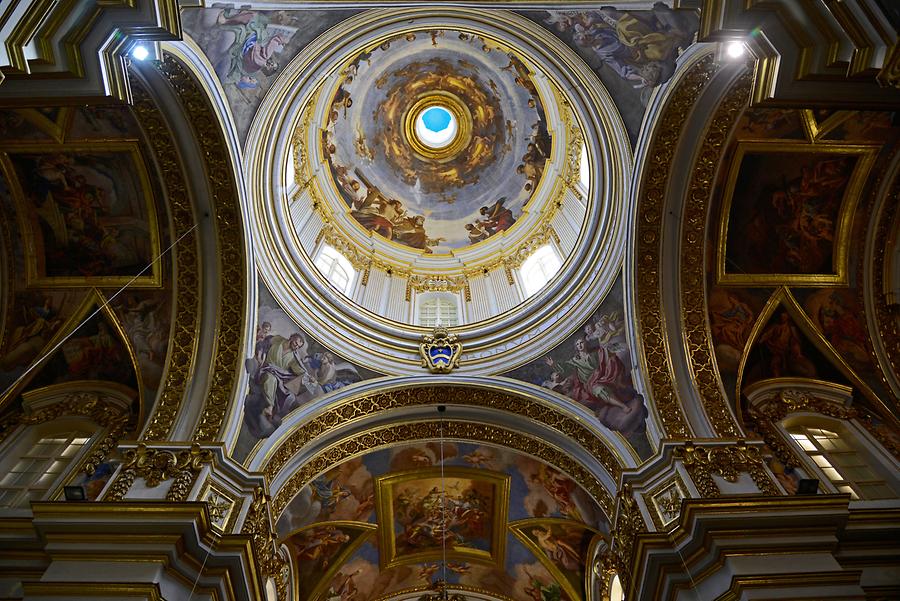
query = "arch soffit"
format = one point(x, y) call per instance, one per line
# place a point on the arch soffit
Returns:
point(705, 98)
point(380, 414)
point(211, 249)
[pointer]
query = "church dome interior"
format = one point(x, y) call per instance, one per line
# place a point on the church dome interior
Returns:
point(455, 301)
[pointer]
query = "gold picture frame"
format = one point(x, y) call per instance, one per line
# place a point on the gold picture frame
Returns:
point(389, 486)
point(35, 268)
point(839, 275)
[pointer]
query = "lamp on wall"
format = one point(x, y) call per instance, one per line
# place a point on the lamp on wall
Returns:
point(438, 590)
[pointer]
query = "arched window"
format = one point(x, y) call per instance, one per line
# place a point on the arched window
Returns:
point(539, 268)
point(438, 308)
point(584, 170)
point(38, 460)
point(836, 455)
point(336, 268)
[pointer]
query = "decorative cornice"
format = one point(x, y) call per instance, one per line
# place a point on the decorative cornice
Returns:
point(157, 465)
point(76, 52)
point(728, 462)
point(224, 201)
point(185, 320)
point(425, 430)
point(694, 227)
point(648, 280)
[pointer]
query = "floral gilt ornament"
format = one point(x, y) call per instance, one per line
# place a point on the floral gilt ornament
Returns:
point(440, 351)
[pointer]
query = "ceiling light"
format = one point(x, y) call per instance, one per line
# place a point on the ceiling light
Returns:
point(140, 52)
point(735, 49)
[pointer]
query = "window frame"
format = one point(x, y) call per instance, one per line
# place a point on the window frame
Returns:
point(336, 258)
point(856, 443)
point(422, 299)
point(524, 269)
point(20, 444)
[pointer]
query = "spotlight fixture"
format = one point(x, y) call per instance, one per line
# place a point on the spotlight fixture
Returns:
point(735, 49)
point(74, 493)
point(808, 486)
point(140, 52)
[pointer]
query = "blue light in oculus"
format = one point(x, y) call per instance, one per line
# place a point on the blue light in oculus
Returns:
point(436, 127)
point(437, 119)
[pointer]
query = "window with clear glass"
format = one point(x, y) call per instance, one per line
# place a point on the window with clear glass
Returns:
point(39, 466)
point(841, 463)
point(584, 170)
point(438, 309)
point(539, 269)
point(336, 268)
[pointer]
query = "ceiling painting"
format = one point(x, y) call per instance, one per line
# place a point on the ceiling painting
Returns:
point(79, 216)
point(564, 547)
point(805, 174)
point(632, 51)
point(248, 48)
point(593, 367)
point(782, 351)
point(396, 183)
point(347, 491)
point(522, 578)
point(94, 351)
point(288, 369)
point(87, 212)
point(318, 551)
point(424, 511)
point(807, 194)
point(489, 490)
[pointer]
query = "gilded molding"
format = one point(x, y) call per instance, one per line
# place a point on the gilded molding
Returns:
point(232, 261)
point(651, 204)
point(695, 333)
point(728, 462)
point(416, 431)
point(664, 502)
point(889, 76)
point(887, 316)
point(629, 523)
point(223, 507)
point(445, 395)
point(185, 319)
point(258, 525)
point(158, 465)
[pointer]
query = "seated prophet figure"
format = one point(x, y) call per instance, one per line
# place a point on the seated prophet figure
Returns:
point(597, 378)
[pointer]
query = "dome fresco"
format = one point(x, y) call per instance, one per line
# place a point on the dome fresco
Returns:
point(436, 140)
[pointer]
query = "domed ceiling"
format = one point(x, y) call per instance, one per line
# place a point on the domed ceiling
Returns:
point(461, 176)
point(436, 158)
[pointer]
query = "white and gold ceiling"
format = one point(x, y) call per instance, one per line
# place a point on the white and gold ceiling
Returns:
point(710, 251)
